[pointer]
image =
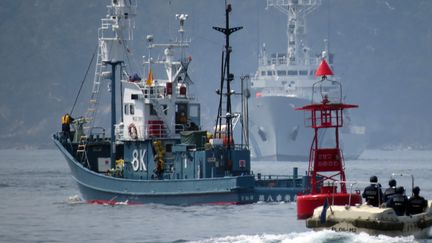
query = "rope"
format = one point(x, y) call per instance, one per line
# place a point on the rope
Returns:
point(82, 82)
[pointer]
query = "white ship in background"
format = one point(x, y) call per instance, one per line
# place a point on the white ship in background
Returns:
point(284, 82)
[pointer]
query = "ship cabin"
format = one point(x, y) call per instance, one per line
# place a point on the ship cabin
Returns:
point(281, 75)
point(276, 65)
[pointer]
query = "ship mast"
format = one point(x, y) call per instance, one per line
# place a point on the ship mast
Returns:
point(116, 30)
point(295, 10)
point(228, 77)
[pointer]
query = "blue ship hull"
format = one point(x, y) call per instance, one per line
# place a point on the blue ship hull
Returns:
point(243, 189)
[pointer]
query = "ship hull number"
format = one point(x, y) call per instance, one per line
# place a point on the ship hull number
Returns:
point(138, 160)
point(269, 198)
point(344, 229)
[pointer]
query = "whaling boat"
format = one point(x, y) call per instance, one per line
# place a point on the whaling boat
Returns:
point(156, 152)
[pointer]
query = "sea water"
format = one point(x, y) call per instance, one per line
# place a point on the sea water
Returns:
point(39, 202)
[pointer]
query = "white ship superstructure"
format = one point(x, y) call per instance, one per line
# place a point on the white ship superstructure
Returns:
point(284, 82)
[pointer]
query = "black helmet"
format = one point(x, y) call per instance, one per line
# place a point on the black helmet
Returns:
point(392, 182)
point(416, 190)
point(373, 179)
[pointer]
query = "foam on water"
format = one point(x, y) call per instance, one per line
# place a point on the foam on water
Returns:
point(74, 199)
point(310, 237)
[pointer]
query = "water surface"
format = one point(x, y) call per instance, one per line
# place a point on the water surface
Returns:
point(36, 185)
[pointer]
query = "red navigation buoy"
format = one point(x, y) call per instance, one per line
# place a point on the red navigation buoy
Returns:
point(326, 164)
point(323, 69)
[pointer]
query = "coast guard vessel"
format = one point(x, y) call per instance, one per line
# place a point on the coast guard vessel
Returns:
point(282, 83)
point(156, 152)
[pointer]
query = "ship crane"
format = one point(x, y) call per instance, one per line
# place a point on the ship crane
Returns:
point(326, 164)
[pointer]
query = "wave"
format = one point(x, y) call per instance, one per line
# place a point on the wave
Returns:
point(325, 236)
point(76, 199)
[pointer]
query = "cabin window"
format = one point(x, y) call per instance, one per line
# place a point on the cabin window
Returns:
point(281, 73)
point(303, 72)
point(152, 110)
point(292, 72)
point(126, 109)
point(181, 113)
point(269, 73)
point(181, 107)
point(132, 109)
point(168, 148)
point(282, 59)
point(263, 73)
point(194, 110)
point(129, 109)
point(134, 96)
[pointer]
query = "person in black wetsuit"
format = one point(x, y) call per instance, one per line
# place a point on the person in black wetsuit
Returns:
point(389, 192)
point(399, 201)
point(372, 193)
point(416, 203)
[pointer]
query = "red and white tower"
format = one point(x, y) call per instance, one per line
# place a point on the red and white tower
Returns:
point(326, 163)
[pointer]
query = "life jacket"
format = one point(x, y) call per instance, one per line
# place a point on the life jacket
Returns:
point(399, 204)
point(416, 204)
point(373, 195)
point(389, 193)
point(66, 119)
